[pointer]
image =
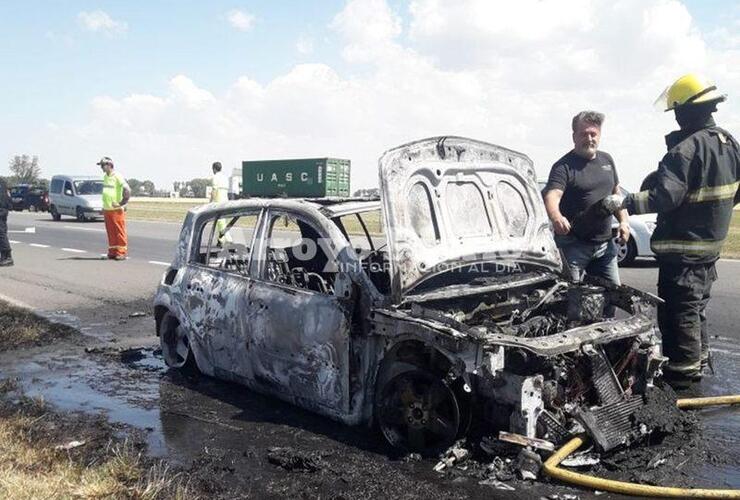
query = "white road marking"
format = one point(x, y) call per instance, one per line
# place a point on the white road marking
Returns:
point(28, 230)
point(14, 242)
point(97, 230)
point(159, 263)
point(38, 245)
point(73, 250)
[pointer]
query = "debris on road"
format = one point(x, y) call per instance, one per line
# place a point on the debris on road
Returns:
point(496, 484)
point(528, 464)
point(585, 459)
point(69, 446)
point(137, 314)
point(294, 460)
point(518, 439)
point(455, 455)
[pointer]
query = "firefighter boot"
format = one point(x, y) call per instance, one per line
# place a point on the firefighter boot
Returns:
point(6, 259)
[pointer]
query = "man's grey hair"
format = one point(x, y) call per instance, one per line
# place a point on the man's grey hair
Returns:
point(590, 117)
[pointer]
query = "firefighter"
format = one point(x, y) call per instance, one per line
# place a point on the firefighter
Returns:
point(693, 192)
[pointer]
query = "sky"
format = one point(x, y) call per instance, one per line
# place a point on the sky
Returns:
point(167, 87)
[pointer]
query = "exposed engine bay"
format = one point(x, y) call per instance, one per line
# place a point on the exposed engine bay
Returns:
point(560, 357)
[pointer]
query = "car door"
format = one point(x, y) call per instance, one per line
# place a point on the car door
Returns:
point(66, 200)
point(215, 289)
point(300, 315)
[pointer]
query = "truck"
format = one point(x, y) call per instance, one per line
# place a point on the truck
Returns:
point(296, 178)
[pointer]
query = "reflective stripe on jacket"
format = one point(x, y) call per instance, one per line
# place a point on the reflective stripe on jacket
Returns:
point(693, 192)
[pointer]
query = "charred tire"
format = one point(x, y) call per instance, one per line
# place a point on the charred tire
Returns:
point(54, 214)
point(175, 345)
point(416, 411)
point(627, 253)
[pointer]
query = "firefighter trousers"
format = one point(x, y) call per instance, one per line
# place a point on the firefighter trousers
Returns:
point(686, 289)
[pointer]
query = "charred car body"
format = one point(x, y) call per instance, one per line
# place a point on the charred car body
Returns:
point(453, 310)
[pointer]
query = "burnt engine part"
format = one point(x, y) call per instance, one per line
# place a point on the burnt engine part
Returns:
point(604, 380)
point(586, 303)
point(611, 425)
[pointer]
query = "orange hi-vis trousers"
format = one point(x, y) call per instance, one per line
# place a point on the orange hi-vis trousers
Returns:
point(115, 226)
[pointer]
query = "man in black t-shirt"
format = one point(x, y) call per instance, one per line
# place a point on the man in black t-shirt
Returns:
point(578, 182)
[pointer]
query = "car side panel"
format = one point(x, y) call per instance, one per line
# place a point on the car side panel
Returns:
point(299, 346)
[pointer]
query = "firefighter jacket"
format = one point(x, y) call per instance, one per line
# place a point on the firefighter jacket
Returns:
point(693, 191)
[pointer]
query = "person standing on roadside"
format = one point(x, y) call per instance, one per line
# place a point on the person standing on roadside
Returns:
point(219, 194)
point(578, 182)
point(6, 204)
point(116, 193)
point(693, 192)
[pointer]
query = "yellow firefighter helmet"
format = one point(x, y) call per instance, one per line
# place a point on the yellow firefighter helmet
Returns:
point(689, 89)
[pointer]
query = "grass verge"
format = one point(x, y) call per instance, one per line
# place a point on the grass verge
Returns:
point(22, 328)
point(44, 454)
point(48, 454)
point(732, 245)
point(174, 211)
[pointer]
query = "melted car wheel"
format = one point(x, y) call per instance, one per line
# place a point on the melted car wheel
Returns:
point(175, 345)
point(417, 411)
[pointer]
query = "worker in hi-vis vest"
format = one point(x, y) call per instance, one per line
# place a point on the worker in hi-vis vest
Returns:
point(116, 193)
point(220, 193)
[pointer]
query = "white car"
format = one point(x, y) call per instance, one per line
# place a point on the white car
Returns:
point(641, 229)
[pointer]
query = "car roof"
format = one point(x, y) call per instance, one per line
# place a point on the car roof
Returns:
point(330, 207)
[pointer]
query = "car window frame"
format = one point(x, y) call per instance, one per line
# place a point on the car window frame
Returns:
point(199, 229)
point(257, 267)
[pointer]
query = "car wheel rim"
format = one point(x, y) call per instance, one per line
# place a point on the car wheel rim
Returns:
point(418, 412)
point(175, 346)
point(622, 251)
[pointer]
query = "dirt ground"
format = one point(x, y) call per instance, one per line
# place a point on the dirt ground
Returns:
point(224, 441)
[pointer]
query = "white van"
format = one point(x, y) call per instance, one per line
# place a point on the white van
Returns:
point(79, 196)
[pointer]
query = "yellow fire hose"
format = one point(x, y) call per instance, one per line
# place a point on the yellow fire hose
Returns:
point(551, 466)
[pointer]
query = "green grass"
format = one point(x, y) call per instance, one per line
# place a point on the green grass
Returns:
point(174, 211)
point(732, 245)
point(165, 211)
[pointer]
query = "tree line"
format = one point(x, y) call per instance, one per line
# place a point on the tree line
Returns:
point(25, 169)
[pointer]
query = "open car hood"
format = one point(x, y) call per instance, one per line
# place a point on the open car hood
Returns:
point(449, 202)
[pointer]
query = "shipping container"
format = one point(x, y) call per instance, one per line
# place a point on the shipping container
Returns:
point(298, 178)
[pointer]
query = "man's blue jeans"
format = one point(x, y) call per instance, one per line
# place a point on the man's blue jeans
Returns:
point(595, 259)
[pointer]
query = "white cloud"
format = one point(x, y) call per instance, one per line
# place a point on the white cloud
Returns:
point(304, 45)
point(99, 21)
point(369, 28)
point(241, 20)
point(513, 75)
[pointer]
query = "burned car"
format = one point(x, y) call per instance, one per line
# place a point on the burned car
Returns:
point(449, 311)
